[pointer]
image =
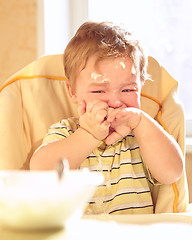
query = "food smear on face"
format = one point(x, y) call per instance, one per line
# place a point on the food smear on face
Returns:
point(99, 77)
point(122, 65)
point(133, 71)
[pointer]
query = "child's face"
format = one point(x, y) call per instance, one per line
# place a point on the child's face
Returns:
point(115, 81)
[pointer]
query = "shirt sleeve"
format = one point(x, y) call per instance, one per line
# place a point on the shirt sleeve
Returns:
point(150, 177)
point(60, 130)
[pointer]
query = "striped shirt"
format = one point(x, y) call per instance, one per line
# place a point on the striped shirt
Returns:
point(126, 188)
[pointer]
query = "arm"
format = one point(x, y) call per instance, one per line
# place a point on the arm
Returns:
point(159, 150)
point(78, 145)
point(74, 148)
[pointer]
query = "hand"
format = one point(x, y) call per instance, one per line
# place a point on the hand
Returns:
point(93, 118)
point(122, 121)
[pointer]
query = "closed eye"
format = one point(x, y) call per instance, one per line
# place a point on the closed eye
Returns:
point(128, 90)
point(99, 91)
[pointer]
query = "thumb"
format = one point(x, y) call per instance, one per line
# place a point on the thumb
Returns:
point(112, 138)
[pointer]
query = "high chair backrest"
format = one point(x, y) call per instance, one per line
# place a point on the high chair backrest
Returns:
point(35, 97)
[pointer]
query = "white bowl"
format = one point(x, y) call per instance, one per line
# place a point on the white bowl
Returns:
point(39, 200)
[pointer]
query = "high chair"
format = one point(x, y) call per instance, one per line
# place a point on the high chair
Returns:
point(35, 97)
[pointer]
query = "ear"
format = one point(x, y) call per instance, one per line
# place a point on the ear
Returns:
point(71, 93)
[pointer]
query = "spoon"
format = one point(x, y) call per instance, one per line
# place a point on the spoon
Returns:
point(62, 168)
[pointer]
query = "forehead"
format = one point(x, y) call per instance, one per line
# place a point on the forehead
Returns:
point(99, 67)
point(111, 70)
point(113, 65)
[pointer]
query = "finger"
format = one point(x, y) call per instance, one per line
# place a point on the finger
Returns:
point(82, 108)
point(99, 106)
point(112, 138)
point(112, 114)
point(122, 113)
point(95, 105)
point(101, 115)
point(90, 106)
point(104, 127)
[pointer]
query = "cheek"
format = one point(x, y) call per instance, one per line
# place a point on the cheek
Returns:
point(138, 102)
point(133, 100)
point(95, 97)
point(89, 98)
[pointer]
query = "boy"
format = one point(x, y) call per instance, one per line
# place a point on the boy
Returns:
point(106, 68)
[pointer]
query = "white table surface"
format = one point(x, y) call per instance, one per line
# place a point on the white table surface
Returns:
point(159, 226)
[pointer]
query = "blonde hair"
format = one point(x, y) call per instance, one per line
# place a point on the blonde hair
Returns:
point(105, 39)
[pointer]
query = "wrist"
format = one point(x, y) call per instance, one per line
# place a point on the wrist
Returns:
point(137, 125)
point(89, 133)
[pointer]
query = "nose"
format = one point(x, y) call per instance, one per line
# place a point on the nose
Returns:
point(114, 101)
